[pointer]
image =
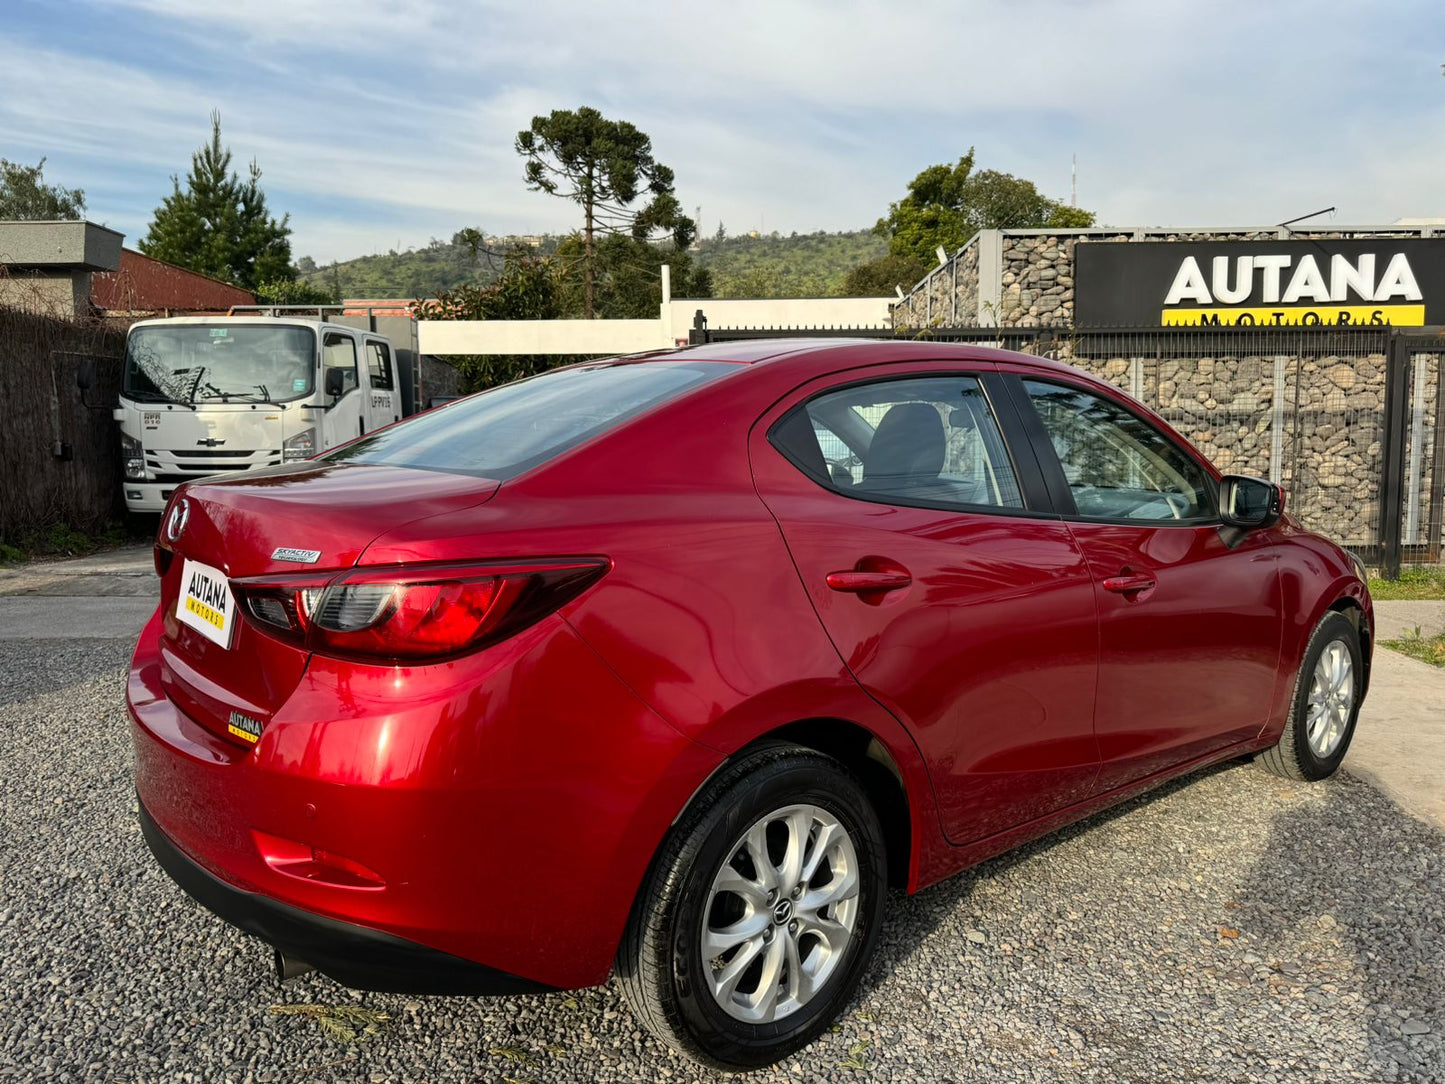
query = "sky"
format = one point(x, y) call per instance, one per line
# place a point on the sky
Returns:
point(381, 124)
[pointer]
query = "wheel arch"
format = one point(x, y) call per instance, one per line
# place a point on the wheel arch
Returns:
point(870, 760)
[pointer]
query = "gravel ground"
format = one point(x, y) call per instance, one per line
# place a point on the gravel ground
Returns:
point(1230, 927)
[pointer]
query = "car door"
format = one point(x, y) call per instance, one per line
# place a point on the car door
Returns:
point(383, 402)
point(344, 418)
point(1189, 616)
point(951, 592)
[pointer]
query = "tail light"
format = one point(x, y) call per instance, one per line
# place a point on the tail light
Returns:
point(413, 613)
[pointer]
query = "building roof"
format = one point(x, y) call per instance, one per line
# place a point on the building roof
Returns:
point(143, 284)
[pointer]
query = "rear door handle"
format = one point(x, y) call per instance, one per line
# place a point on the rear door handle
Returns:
point(1130, 583)
point(854, 582)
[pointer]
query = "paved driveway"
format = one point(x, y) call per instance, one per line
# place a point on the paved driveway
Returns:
point(1228, 927)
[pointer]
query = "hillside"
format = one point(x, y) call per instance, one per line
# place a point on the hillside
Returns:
point(772, 265)
point(799, 265)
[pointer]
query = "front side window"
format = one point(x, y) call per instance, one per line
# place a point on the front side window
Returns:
point(1118, 466)
point(339, 352)
point(927, 440)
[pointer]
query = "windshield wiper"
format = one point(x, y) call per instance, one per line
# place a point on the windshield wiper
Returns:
point(156, 397)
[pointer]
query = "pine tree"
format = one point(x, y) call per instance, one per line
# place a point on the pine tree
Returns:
point(219, 225)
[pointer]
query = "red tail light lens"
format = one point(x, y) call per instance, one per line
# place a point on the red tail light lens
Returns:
point(415, 613)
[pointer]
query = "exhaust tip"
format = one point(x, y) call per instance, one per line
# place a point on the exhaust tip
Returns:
point(289, 967)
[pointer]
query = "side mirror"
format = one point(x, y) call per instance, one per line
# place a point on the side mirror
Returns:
point(1249, 503)
point(335, 382)
point(85, 373)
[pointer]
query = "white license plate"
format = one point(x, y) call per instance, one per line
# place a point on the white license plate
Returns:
point(206, 603)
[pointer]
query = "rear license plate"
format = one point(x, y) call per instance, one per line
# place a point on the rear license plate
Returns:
point(206, 603)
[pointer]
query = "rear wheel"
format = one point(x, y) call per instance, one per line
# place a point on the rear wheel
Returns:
point(1325, 706)
point(760, 913)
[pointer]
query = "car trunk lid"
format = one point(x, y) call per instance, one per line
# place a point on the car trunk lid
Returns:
point(315, 518)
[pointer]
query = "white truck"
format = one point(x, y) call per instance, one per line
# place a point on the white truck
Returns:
point(208, 395)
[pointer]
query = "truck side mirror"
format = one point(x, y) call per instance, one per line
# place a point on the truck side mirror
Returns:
point(335, 382)
point(85, 373)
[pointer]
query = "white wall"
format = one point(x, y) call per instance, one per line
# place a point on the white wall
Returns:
point(444, 337)
point(630, 336)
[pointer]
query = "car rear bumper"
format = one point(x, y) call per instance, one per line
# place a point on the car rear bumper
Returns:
point(499, 813)
point(355, 956)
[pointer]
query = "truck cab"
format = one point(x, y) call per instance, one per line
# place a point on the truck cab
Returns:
point(210, 395)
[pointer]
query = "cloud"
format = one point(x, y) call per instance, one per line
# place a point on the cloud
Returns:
point(375, 120)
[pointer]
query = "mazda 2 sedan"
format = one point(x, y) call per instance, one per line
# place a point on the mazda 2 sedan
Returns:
point(670, 665)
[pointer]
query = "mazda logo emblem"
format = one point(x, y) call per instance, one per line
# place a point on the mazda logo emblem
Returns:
point(783, 911)
point(177, 521)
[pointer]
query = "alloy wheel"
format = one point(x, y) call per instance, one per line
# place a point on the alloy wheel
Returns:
point(780, 914)
point(1331, 699)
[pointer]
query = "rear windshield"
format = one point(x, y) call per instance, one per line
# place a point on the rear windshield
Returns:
point(503, 432)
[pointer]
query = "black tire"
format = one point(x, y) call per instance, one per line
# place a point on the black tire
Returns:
point(1292, 757)
point(660, 961)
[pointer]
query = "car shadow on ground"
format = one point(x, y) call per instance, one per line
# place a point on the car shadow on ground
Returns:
point(1324, 960)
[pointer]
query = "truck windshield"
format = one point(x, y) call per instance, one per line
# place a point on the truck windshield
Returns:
point(208, 363)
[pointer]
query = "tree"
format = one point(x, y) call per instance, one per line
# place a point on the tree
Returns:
point(604, 166)
point(293, 292)
point(25, 195)
point(530, 287)
point(947, 205)
point(627, 283)
point(219, 225)
point(877, 278)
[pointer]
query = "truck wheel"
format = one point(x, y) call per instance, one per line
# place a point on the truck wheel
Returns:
point(760, 912)
point(1325, 706)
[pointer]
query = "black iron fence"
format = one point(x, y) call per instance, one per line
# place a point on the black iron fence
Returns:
point(1350, 421)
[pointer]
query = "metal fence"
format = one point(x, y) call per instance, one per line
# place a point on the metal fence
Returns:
point(1350, 421)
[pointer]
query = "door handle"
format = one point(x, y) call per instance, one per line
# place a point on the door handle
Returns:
point(855, 582)
point(1130, 583)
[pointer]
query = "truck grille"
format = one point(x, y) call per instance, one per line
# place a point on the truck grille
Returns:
point(188, 465)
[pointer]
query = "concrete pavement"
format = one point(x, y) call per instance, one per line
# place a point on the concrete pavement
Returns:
point(108, 595)
point(1399, 742)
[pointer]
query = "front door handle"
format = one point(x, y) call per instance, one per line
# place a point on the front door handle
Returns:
point(1130, 583)
point(855, 582)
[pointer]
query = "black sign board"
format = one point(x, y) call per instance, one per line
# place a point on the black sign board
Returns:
point(1261, 283)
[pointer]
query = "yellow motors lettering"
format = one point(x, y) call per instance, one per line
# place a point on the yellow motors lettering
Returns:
point(207, 600)
point(1321, 316)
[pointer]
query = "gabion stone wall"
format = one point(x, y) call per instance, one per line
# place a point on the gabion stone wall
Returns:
point(1037, 281)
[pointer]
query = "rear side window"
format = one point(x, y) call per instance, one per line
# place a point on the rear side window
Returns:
point(505, 431)
point(378, 363)
point(931, 441)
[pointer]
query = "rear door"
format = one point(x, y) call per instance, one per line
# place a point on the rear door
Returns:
point(1189, 622)
point(383, 398)
point(954, 596)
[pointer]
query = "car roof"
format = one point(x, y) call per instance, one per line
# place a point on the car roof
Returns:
point(776, 352)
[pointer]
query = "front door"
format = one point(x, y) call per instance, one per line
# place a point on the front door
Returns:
point(344, 418)
point(1189, 620)
point(955, 600)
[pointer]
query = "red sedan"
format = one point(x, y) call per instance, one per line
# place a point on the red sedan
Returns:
point(672, 664)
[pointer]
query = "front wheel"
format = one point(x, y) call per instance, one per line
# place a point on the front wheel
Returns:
point(760, 913)
point(1326, 703)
